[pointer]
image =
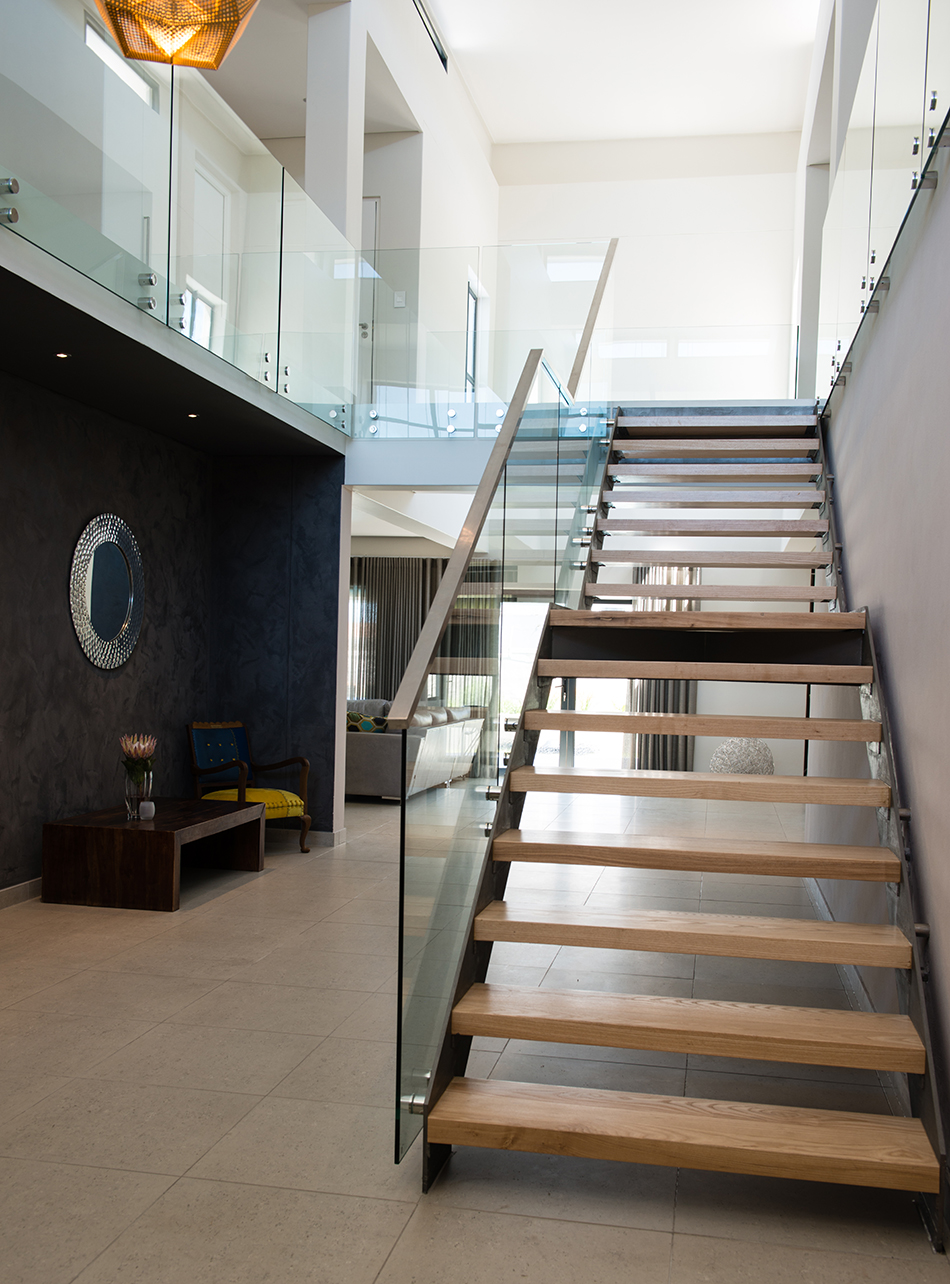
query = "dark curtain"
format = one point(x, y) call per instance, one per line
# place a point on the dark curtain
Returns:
point(389, 600)
point(655, 695)
point(662, 695)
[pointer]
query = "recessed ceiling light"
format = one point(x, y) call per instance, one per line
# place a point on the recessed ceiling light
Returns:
point(62, 354)
point(192, 416)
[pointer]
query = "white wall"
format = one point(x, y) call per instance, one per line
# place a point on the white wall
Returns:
point(459, 200)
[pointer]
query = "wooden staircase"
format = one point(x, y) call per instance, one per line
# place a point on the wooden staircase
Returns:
point(716, 461)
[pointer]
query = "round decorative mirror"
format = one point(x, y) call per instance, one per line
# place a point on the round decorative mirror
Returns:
point(107, 591)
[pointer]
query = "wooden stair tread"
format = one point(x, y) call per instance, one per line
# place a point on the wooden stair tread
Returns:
point(714, 592)
point(700, 724)
point(738, 936)
point(563, 618)
point(669, 497)
point(720, 448)
point(626, 781)
point(711, 526)
point(704, 472)
point(838, 675)
point(705, 855)
point(700, 557)
point(763, 1032)
point(730, 425)
point(723, 1136)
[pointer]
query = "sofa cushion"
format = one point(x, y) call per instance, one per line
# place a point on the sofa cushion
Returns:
point(375, 708)
point(421, 718)
point(461, 714)
point(363, 722)
point(439, 717)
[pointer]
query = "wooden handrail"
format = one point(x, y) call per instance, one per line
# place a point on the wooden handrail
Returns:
point(588, 332)
point(436, 622)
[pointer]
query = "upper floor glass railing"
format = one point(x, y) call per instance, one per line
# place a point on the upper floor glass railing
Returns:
point(142, 178)
point(896, 122)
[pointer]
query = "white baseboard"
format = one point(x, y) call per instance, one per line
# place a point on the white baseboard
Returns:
point(329, 837)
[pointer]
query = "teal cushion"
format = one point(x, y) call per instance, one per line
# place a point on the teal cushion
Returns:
point(363, 722)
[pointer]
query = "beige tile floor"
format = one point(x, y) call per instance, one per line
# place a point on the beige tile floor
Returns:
point(206, 1097)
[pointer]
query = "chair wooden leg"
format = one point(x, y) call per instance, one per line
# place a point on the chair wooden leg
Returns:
point(304, 831)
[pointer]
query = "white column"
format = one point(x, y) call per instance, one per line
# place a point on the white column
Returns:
point(336, 87)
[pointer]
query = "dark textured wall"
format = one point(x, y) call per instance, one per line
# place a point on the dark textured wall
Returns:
point(60, 717)
point(275, 535)
point(241, 559)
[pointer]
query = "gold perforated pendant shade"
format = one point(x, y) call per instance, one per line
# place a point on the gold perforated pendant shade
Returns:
point(188, 33)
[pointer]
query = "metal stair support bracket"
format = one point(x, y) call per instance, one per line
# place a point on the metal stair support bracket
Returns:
point(607, 484)
point(906, 912)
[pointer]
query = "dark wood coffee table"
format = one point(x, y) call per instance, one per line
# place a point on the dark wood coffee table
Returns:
point(104, 859)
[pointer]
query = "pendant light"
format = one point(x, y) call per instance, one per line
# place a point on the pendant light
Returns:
point(188, 33)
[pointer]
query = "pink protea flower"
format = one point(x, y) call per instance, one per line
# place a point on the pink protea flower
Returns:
point(138, 746)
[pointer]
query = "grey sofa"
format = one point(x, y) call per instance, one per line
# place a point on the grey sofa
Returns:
point(440, 748)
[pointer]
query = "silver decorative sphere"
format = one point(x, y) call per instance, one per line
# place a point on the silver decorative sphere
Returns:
point(743, 756)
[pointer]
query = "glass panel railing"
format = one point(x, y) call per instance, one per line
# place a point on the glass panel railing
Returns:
point(680, 363)
point(533, 501)
point(226, 229)
point(321, 279)
point(89, 150)
point(900, 134)
point(450, 327)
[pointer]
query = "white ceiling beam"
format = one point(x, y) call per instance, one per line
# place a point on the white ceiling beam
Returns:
point(373, 508)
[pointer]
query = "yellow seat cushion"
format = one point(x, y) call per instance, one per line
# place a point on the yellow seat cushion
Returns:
point(279, 803)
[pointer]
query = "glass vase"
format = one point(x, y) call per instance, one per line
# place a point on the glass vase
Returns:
point(137, 789)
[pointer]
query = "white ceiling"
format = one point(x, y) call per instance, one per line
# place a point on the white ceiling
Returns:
point(264, 77)
point(562, 70)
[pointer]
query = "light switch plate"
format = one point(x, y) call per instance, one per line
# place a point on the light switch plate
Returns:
point(399, 298)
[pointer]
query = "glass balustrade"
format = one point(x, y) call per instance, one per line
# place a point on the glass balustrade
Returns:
point(534, 509)
point(895, 124)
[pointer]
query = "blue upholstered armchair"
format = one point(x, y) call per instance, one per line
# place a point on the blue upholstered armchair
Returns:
point(221, 753)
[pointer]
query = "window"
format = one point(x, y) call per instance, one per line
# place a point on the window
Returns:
point(126, 71)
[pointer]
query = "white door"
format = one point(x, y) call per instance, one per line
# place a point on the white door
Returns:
point(367, 304)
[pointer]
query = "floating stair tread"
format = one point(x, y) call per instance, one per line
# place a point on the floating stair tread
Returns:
point(714, 592)
point(726, 425)
point(687, 1132)
point(707, 526)
point(804, 1036)
point(704, 855)
point(736, 936)
point(626, 781)
point(667, 497)
point(839, 675)
point(759, 726)
point(715, 472)
point(708, 620)
point(700, 557)
point(710, 447)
